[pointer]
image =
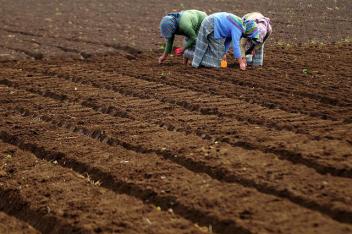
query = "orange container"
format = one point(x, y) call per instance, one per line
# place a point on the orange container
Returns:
point(223, 64)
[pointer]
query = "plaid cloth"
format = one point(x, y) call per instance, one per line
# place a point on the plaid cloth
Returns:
point(208, 51)
point(258, 58)
point(188, 53)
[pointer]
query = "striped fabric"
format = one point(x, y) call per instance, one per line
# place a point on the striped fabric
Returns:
point(251, 30)
point(209, 51)
point(237, 22)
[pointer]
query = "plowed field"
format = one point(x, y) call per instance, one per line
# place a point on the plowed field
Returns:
point(96, 137)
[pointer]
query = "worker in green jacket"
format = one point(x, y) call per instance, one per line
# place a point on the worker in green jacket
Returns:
point(185, 23)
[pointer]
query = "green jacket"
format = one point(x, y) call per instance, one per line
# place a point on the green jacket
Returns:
point(188, 26)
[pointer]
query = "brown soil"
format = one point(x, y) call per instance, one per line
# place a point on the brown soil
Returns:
point(96, 137)
point(41, 29)
point(10, 225)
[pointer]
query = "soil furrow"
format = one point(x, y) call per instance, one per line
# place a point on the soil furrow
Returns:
point(254, 93)
point(240, 110)
point(10, 224)
point(110, 180)
point(54, 199)
point(165, 180)
point(30, 54)
point(282, 143)
point(68, 51)
point(16, 205)
point(130, 51)
point(97, 136)
point(281, 89)
point(258, 95)
point(223, 163)
point(292, 80)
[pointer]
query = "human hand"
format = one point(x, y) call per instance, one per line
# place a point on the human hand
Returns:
point(243, 66)
point(244, 60)
point(162, 58)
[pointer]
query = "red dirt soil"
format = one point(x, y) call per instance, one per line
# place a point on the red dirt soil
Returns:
point(96, 137)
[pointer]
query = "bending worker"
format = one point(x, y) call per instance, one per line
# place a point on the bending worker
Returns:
point(185, 23)
point(215, 36)
point(255, 52)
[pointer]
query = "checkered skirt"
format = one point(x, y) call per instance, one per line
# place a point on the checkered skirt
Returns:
point(208, 51)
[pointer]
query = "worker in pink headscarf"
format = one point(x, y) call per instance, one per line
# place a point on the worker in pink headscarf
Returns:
point(254, 53)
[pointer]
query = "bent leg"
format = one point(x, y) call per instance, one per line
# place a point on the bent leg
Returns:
point(258, 58)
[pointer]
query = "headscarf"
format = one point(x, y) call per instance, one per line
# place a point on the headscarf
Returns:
point(169, 24)
point(264, 25)
point(251, 31)
point(264, 28)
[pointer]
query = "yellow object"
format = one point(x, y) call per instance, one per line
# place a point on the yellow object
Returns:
point(223, 64)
